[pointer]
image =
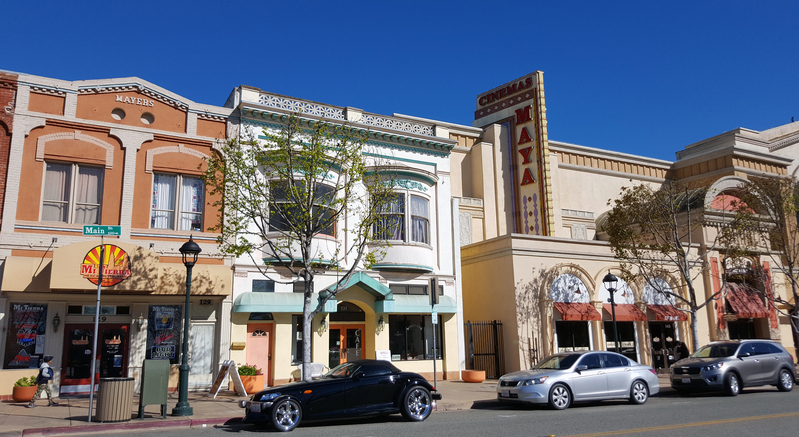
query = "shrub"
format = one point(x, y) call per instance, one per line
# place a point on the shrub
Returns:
point(26, 382)
point(248, 370)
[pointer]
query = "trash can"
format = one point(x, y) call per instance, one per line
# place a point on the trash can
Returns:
point(114, 400)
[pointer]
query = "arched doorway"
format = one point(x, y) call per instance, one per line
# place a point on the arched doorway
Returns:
point(346, 334)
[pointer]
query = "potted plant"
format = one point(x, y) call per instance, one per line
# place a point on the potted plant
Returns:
point(252, 377)
point(24, 389)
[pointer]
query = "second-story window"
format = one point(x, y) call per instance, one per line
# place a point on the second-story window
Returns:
point(286, 215)
point(392, 222)
point(72, 193)
point(177, 202)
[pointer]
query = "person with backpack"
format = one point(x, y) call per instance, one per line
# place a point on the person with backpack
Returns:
point(43, 381)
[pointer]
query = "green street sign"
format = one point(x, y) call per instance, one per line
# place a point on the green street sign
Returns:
point(102, 230)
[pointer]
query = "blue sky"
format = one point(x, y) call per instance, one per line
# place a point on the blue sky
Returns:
point(639, 77)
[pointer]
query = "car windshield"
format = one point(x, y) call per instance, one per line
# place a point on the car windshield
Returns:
point(344, 370)
point(716, 351)
point(557, 362)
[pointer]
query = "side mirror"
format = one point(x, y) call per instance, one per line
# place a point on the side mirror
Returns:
point(582, 367)
point(357, 375)
point(744, 354)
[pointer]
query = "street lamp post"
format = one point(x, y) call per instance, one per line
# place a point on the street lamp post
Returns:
point(610, 284)
point(189, 251)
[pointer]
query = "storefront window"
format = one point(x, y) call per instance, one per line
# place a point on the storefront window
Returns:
point(412, 337)
point(25, 336)
point(163, 332)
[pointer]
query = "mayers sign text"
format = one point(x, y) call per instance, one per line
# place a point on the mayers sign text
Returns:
point(115, 265)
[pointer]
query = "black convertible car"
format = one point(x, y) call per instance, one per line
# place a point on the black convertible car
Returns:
point(354, 389)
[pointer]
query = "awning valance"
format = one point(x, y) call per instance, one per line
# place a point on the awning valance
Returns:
point(577, 311)
point(745, 301)
point(667, 313)
point(415, 304)
point(254, 302)
point(626, 312)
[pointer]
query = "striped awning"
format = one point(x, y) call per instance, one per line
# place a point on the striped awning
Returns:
point(577, 311)
point(745, 301)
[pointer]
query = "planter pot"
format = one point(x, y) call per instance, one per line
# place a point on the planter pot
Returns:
point(253, 384)
point(473, 375)
point(23, 394)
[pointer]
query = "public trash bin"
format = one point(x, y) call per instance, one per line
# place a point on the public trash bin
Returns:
point(114, 400)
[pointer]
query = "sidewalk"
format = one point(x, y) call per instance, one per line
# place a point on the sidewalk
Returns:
point(70, 416)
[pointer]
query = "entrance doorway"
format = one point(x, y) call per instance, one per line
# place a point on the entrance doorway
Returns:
point(259, 347)
point(346, 344)
point(663, 342)
point(112, 355)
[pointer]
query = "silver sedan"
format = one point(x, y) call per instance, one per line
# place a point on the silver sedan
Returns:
point(579, 376)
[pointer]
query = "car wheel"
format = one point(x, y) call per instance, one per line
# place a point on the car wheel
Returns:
point(732, 385)
point(286, 415)
point(559, 397)
point(416, 404)
point(785, 381)
point(639, 392)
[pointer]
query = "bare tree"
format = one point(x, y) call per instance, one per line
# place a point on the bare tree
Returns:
point(656, 233)
point(305, 180)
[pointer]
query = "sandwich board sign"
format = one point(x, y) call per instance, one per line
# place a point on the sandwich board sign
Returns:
point(228, 368)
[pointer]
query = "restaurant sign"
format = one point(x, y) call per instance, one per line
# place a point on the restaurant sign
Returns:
point(114, 265)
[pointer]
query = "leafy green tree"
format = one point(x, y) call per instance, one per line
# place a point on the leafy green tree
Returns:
point(766, 222)
point(660, 232)
point(279, 194)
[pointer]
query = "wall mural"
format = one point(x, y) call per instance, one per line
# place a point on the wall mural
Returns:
point(653, 294)
point(569, 288)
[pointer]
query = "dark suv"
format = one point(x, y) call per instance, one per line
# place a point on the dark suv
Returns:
point(733, 365)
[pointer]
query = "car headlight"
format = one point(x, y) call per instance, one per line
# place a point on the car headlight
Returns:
point(539, 380)
point(712, 367)
point(269, 396)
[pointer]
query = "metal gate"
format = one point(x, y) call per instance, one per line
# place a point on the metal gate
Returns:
point(485, 347)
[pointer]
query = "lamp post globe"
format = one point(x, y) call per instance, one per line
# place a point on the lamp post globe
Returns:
point(189, 251)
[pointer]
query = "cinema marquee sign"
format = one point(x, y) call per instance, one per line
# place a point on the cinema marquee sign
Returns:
point(115, 265)
point(519, 105)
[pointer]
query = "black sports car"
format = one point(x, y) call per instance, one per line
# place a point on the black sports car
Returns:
point(354, 389)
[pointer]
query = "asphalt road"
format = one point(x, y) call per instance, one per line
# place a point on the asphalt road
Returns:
point(756, 412)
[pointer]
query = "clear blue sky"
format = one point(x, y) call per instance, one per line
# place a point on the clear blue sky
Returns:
point(641, 77)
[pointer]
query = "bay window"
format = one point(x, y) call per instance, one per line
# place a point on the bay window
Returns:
point(285, 214)
point(391, 223)
point(177, 202)
point(72, 193)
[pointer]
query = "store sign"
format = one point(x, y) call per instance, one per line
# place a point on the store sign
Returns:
point(25, 337)
point(115, 265)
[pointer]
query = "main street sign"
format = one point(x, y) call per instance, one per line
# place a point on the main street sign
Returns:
point(102, 230)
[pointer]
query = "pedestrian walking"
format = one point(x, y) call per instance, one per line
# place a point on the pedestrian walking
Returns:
point(683, 350)
point(43, 380)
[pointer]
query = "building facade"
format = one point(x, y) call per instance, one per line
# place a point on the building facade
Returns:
point(534, 254)
point(384, 311)
point(118, 153)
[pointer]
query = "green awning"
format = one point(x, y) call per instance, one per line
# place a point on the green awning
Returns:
point(368, 284)
point(250, 302)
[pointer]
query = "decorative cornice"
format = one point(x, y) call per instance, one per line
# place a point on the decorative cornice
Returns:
point(427, 147)
point(120, 88)
point(48, 90)
point(785, 142)
point(180, 148)
point(205, 115)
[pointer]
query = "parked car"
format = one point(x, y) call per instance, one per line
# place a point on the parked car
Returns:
point(563, 378)
point(354, 389)
point(733, 365)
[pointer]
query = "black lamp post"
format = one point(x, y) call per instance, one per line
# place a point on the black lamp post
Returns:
point(610, 282)
point(190, 250)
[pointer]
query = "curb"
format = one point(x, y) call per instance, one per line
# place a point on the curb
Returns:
point(86, 429)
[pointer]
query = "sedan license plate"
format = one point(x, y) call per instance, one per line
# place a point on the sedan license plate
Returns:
point(686, 380)
point(255, 408)
point(505, 393)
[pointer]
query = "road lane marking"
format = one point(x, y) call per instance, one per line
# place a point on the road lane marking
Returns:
point(685, 425)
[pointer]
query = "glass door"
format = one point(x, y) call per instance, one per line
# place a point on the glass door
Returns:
point(112, 355)
point(346, 344)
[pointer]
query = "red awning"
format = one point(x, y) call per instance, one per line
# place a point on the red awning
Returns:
point(667, 313)
point(745, 301)
point(577, 311)
point(626, 312)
